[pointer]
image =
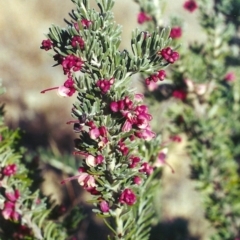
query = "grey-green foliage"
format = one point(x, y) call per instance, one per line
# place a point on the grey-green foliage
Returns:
point(102, 59)
point(211, 119)
point(208, 122)
point(31, 205)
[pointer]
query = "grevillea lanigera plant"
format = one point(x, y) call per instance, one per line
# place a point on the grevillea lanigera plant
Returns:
point(119, 166)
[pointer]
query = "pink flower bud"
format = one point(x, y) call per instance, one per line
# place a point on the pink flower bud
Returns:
point(13, 196)
point(137, 180)
point(114, 107)
point(128, 197)
point(104, 206)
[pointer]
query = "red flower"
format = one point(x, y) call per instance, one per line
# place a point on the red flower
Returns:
point(169, 55)
point(128, 197)
point(9, 170)
point(46, 44)
point(134, 161)
point(86, 23)
point(71, 62)
point(77, 40)
point(143, 17)
point(155, 77)
point(176, 32)
point(105, 85)
point(190, 5)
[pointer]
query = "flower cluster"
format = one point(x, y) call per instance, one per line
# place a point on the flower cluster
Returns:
point(71, 62)
point(77, 40)
point(9, 170)
point(10, 210)
point(136, 117)
point(155, 77)
point(105, 84)
point(169, 55)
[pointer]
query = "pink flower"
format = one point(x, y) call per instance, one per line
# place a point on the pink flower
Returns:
point(155, 77)
point(230, 77)
point(94, 133)
point(77, 40)
point(13, 196)
point(138, 97)
point(143, 17)
point(137, 180)
point(87, 181)
point(92, 161)
point(176, 32)
point(161, 159)
point(128, 197)
point(146, 168)
point(9, 211)
point(66, 90)
point(151, 86)
point(190, 5)
point(71, 62)
point(146, 134)
point(104, 206)
point(123, 148)
point(169, 55)
point(134, 161)
point(46, 44)
point(86, 23)
point(114, 106)
point(180, 94)
point(9, 170)
point(105, 85)
point(103, 131)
